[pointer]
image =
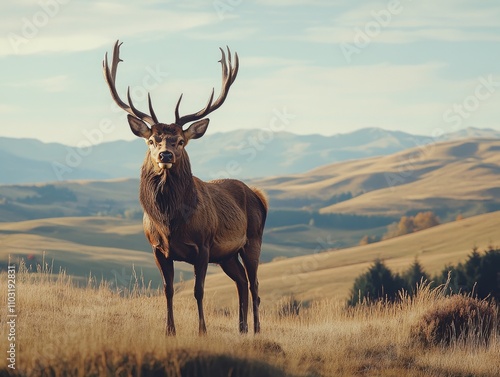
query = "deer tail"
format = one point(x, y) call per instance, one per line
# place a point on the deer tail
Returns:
point(262, 197)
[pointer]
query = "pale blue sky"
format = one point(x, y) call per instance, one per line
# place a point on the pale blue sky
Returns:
point(421, 66)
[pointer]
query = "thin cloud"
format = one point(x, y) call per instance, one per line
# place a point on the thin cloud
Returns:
point(85, 24)
point(412, 22)
point(391, 96)
point(269, 62)
point(53, 84)
point(337, 35)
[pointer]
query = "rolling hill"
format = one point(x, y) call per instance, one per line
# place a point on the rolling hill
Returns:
point(95, 226)
point(448, 178)
point(330, 274)
point(106, 248)
point(69, 199)
point(289, 232)
point(110, 248)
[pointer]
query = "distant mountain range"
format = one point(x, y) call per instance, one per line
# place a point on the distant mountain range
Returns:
point(236, 154)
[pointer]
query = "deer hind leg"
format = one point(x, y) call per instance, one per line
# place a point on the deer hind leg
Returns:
point(235, 270)
point(200, 272)
point(166, 267)
point(250, 258)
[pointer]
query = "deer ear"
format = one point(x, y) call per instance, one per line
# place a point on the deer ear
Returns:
point(197, 129)
point(138, 127)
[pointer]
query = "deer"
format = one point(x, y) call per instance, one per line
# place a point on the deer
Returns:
point(190, 220)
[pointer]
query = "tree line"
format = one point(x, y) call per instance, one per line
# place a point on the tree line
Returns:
point(478, 276)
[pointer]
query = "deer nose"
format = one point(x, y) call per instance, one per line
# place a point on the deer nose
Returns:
point(166, 156)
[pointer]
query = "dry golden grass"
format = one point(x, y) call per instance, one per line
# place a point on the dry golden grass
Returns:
point(64, 330)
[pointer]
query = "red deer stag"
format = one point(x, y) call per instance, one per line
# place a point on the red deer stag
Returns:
point(186, 219)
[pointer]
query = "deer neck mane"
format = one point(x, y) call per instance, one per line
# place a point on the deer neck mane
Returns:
point(168, 196)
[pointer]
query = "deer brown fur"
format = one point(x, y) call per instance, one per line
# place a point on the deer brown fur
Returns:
point(186, 219)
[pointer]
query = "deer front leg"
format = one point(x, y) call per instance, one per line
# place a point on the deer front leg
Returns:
point(166, 266)
point(200, 272)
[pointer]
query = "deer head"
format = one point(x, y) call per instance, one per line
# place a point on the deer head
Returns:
point(166, 142)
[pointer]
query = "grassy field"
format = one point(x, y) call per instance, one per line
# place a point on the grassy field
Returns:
point(92, 331)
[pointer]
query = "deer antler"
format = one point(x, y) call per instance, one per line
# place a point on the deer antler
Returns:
point(229, 73)
point(110, 76)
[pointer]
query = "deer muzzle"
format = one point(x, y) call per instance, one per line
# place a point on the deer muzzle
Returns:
point(165, 160)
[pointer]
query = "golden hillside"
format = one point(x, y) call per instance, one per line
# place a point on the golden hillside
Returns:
point(109, 248)
point(330, 274)
point(449, 174)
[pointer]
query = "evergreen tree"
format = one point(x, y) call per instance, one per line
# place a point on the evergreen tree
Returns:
point(376, 284)
point(488, 279)
point(472, 269)
point(479, 275)
point(413, 276)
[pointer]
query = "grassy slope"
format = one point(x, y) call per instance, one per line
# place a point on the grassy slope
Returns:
point(63, 330)
point(332, 273)
point(107, 197)
point(95, 199)
point(447, 173)
point(107, 247)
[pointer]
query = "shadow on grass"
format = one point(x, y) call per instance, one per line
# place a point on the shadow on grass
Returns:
point(179, 363)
